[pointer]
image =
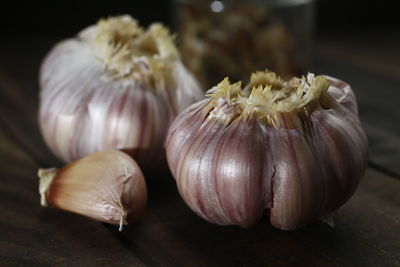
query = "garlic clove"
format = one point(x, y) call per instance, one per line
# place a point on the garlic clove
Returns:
point(106, 186)
point(298, 185)
point(225, 195)
point(295, 148)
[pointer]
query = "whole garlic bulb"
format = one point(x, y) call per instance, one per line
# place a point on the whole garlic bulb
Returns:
point(295, 148)
point(106, 186)
point(114, 86)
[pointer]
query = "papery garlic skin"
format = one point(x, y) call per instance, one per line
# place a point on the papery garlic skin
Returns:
point(298, 151)
point(106, 186)
point(114, 86)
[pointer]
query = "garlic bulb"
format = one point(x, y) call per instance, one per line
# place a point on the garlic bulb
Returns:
point(114, 86)
point(107, 186)
point(294, 148)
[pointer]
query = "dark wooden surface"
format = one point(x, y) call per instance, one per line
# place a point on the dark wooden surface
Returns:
point(367, 231)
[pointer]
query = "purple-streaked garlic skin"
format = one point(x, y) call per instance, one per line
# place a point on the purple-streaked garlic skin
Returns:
point(107, 186)
point(232, 171)
point(84, 109)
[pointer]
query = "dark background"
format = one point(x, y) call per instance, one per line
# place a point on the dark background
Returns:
point(66, 18)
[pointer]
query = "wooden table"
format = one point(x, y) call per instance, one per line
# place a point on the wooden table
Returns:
point(367, 231)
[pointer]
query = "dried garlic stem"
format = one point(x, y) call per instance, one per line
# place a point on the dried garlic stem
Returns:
point(270, 98)
point(129, 51)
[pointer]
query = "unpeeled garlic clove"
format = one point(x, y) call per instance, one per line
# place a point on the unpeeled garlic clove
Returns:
point(295, 148)
point(106, 186)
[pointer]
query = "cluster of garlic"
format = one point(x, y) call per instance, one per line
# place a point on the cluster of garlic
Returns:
point(292, 148)
point(295, 148)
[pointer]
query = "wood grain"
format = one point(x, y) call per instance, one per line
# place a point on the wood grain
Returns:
point(367, 230)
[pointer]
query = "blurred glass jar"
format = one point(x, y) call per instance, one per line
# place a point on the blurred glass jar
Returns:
point(234, 38)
